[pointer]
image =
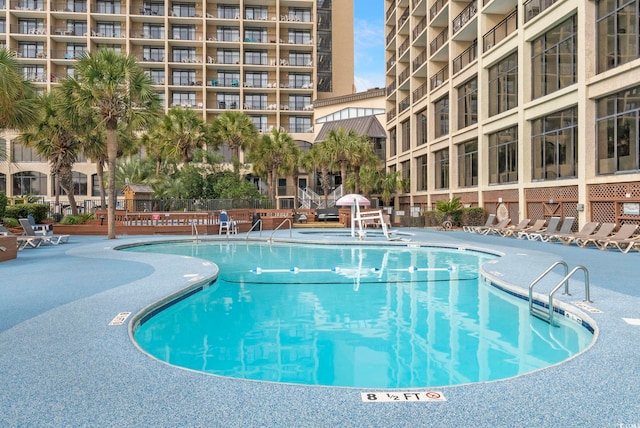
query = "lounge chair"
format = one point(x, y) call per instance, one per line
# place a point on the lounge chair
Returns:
point(474, 229)
point(501, 226)
point(227, 224)
point(552, 227)
point(623, 239)
point(567, 224)
point(40, 229)
point(45, 239)
point(512, 230)
point(605, 230)
point(567, 238)
point(23, 241)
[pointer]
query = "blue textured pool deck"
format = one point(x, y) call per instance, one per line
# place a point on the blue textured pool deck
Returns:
point(63, 365)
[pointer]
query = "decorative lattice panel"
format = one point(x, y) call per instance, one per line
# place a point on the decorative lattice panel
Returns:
point(506, 195)
point(604, 212)
point(468, 198)
point(535, 210)
point(608, 192)
point(568, 193)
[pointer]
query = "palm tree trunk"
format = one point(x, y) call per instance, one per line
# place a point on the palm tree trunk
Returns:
point(343, 175)
point(65, 179)
point(112, 155)
point(100, 174)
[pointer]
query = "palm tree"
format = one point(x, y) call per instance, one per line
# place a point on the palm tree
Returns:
point(16, 94)
point(180, 132)
point(362, 155)
point(53, 137)
point(235, 130)
point(340, 144)
point(390, 184)
point(118, 91)
point(319, 157)
point(273, 155)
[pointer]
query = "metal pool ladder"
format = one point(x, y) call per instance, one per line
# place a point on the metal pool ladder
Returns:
point(548, 315)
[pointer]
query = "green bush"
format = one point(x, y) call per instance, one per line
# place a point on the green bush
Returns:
point(3, 203)
point(10, 222)
point(474, 216)
point(40, 212)
point(72, 219)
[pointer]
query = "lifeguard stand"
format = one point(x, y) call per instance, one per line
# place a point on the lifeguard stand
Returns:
point(138, 197)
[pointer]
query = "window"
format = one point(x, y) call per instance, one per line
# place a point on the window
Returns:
point(76, 6)
point(299, 37)
point(503, 85)
point(107, 7)
point(156, 75)
point(228, 100)
point(468, 164)
point(393, 142)
point(255, 57)
point(553, 59)
point(405, 174)
point(34, 73)
point(503, 156)
point(29, 183)
point(150, 53)
point(256, 79)
point(301, 59)
point(255, 102)
point(255, 12)
point(226, 11)
point(255, 35)
point(184, 77)
point(617, 33)
point(228, 56)
point(3, 183)
point(421, 167)
point(441, 158)
point(228, 78)
point(108, 29)
point(260, 122)
point(617, 127)
point(31, 50)
point(350, 112)
point(228, 34)
point(75, 50)
point(184, 54)
point(405, 129)
point(153, 31)
point(422, 119)
point(113, 47)
point(299, 102)
point(79, 184)
point(31, 26)
point(77, 28)
point(184, 99)
point(468, 103)
point(3, 26)
point(554, 145)
point(183, 32)
point(95, 185)
point(300, 124)
point(441, 109)
point(297, 14)
point(299, 80)
point(183, 9)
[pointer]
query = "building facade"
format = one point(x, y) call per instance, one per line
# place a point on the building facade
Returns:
point(528, 108)
point(270, 59)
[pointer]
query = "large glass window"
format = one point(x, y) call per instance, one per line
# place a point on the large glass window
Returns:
point(421, 167)
point(503, 85)
point(441, 109)
point(31, 49)
point(255, 12)
point(29, 183)
point(503, 156)
point(300, 124)
point(228, 34)
point(23, 153)
point(393, 142)
point(77, 28)
point(79, 184)
point(302, 59)
point(108, 7)
point(422, 120)
point(405, 173)
point(184, 54)
point(300, 37)
point(228, 56)
point(260, 122)
point(150, 53)
point(255, 35)
point(3, 183)
point(300, 80)
point(75, 50)
point(184, 99)
point(227, 11)
point(553, 59)
point(617, 32)
point(468, 163)
point(153, 31)
point(255, 101)
point(108, 29)
point(229, 78)
point(468, 103)
point(554, 145)
point(405, 128)
point(183, 9)
point(255, 57)
point(256, 79)
point(156, 75)
point(441, 158)
point(184, 77)
point(228, 100)
point(183, 32)
point(299, 102)
point(618, 124)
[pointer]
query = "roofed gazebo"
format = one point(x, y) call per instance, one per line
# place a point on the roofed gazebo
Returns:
point(138, 197)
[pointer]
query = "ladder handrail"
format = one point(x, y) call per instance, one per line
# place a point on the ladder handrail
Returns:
point(194, 231)
point(543, 274)
point(258, 222)
point(283, 222)
point(565, 281)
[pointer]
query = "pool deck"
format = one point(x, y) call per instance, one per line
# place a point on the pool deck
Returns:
point(63, 365)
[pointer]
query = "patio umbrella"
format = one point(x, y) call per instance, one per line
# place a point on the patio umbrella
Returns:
point(350, 198)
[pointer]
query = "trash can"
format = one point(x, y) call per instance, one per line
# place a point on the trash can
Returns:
point(255, 218)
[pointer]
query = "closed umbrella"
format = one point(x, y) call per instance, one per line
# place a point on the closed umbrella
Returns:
point(349, 199)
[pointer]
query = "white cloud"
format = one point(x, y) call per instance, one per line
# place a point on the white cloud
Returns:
point(369, 54)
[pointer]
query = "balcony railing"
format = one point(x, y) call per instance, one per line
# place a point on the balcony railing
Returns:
point(404, 103)
point(391, 114)
point(420, 92)
point(439, 78)
point(436, 8)
point(390, 10)
point(500, 31)
point(391, 88)
point(439, 41)
point(403, 47)
point(404, 75)
point(391, 35)
point(465, 58)
point(403, 17)
point(419, 60)
point(464, 16)
point(533, 8)
point(391, 62)
point(419, 27)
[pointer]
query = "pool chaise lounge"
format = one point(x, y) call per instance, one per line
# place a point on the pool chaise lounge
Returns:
point(513, 230)
point(567, 238)
point(603, 232)
point(623, 239)
point(44, 239)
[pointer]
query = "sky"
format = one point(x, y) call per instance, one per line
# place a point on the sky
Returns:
point(369, 44)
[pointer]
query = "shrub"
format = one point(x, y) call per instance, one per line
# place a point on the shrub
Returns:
point(10, 222)
point(40, 212)
point(474, 216)
point(3, 203)
point(72, 219)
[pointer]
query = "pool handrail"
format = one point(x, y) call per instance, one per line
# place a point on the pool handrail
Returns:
point(283, 222)
point(253, 226)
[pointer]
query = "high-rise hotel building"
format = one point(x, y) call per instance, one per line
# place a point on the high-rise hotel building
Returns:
point(268, 58)
point(528, 108)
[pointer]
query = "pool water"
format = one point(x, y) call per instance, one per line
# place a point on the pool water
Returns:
point(367, 317)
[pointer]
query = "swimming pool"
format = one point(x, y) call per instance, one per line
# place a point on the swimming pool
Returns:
point(337, 315)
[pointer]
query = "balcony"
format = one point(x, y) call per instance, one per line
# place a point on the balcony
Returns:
point(419, 27)
point(439, 41)
point(419, 60)
point(436, 8)
point(404, 103)
point(465, 58)
point(464, 16)
point(439, 78)
point(500, 31)
point(533, 8)
point(419, 93)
